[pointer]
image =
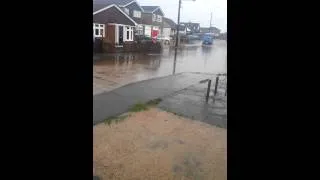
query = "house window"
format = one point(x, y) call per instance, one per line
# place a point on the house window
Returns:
point(98, 30)
point(154, 17)
point(159, 18)
point(137, 14)
point(147, 31)
point(126, 10)
point(128, 32)
point(139, 30)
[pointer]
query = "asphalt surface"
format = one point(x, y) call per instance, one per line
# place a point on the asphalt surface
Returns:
point(191, 102)
point(119, 101)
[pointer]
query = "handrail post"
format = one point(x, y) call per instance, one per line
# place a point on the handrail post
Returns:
point(208, 90)
point(216, 86)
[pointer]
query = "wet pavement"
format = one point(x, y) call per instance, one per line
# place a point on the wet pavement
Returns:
point(191, 102)
point(119, 101)
point(111, 71)
point(96, 178)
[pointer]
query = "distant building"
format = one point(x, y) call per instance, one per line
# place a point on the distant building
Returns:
point(169, 27)
point(152, 20)
point(117, 20)
point(182, 29)
point(112, 24)
point(189, 28)
point(213, 30)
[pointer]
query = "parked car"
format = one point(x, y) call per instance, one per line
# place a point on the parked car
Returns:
point(165, 40)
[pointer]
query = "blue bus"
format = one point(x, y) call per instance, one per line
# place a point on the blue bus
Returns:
point(207, 39)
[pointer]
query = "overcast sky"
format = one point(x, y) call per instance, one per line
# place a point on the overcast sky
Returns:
point(194, 11)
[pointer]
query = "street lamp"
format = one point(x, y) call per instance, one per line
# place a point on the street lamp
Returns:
point(177, 35)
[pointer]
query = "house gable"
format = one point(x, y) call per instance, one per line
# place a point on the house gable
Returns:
point(149, 12)
point(117, 2)
point(149, 9)
point(146, 18)
point(112, 14)
point(170, 22)
point(158, 11)
point(134, 6)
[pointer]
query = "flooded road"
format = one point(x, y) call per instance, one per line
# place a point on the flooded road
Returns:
point(111, 71)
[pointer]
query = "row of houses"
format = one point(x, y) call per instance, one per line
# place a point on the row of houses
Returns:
point(189, 28)
point(119, 22)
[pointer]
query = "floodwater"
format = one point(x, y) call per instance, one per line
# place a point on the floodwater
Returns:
point(111, 71)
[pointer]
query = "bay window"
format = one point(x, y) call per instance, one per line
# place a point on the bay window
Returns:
point(98, 30)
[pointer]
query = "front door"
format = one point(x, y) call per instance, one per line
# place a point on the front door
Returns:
point(120, 40)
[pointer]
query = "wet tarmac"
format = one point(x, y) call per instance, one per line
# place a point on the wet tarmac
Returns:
point(118, 101)
point(111, 71)
point(191, 102)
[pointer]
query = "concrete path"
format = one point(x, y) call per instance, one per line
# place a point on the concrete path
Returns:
point(191, 103)
point(119, 101)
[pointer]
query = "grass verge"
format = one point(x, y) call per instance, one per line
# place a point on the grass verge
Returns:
point(114, 119)
point(135, 108)
point(145, 106)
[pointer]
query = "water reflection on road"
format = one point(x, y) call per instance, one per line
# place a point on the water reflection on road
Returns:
point(111, 71)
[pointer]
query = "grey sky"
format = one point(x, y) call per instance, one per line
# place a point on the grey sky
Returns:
point(195, 11)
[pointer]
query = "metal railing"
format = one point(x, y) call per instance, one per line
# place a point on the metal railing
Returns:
point(216, 86)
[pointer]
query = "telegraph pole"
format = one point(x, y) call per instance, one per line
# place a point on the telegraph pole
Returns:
point(210, 22)
point(177, 39)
